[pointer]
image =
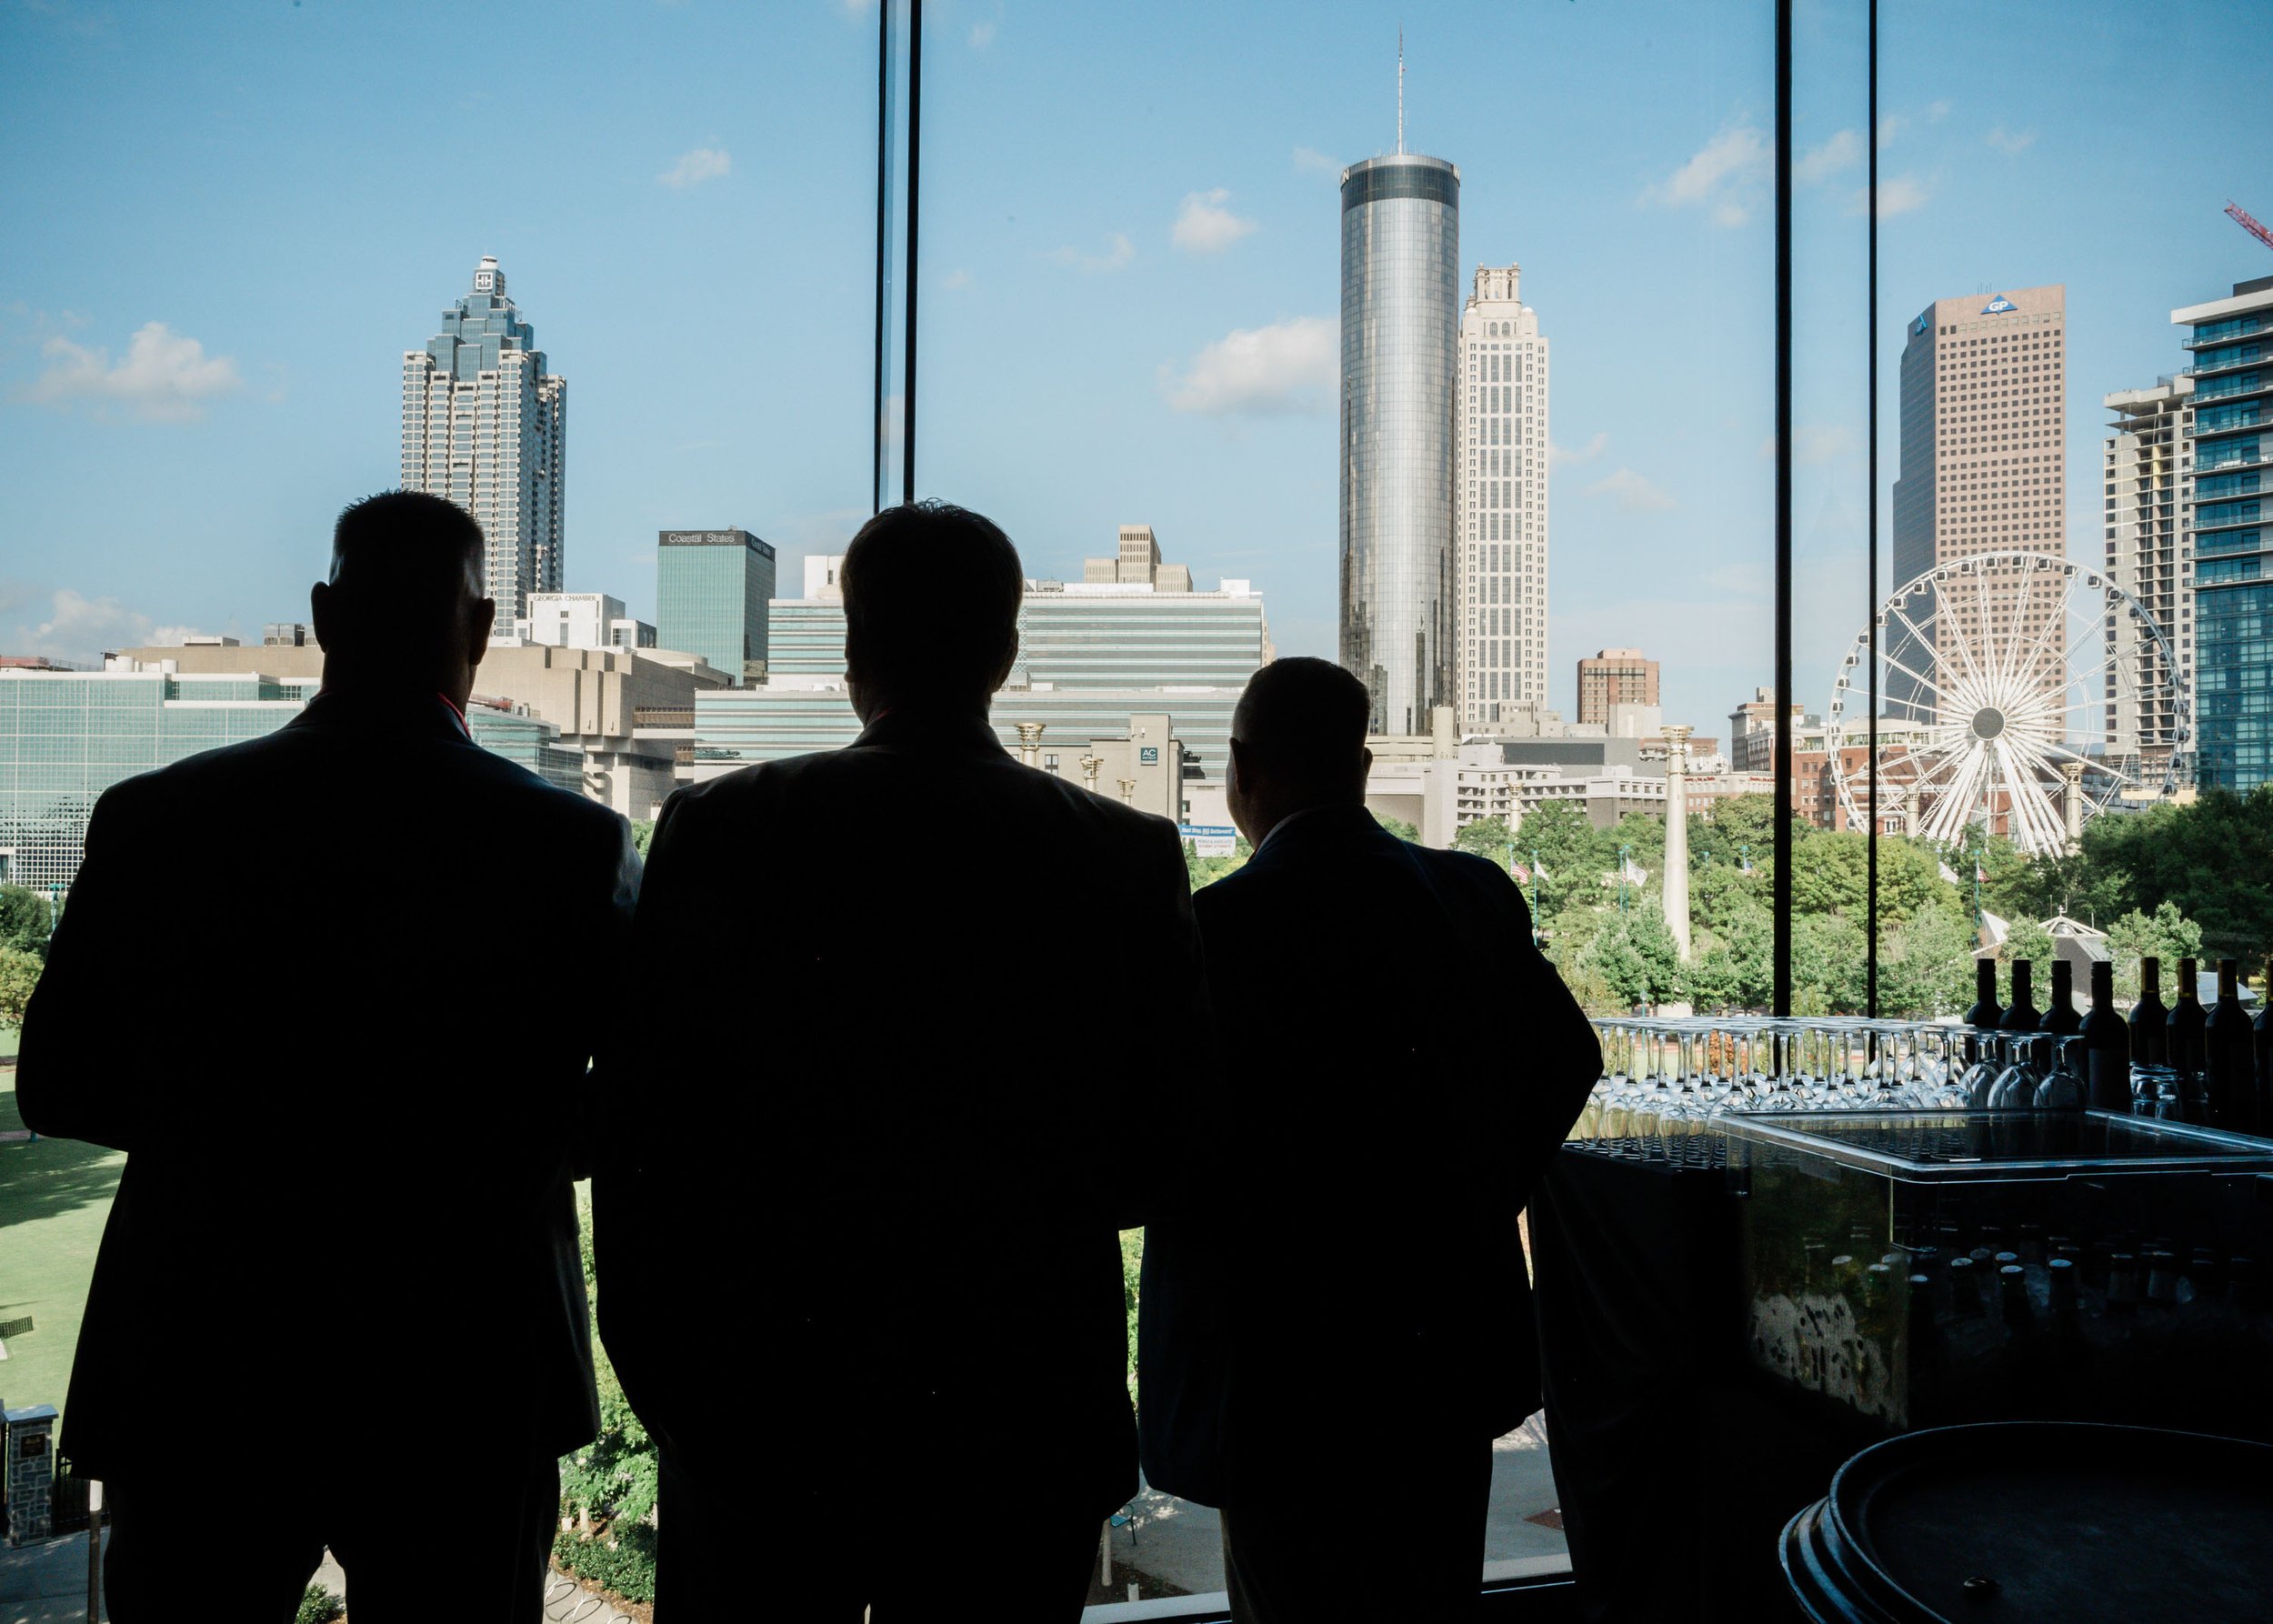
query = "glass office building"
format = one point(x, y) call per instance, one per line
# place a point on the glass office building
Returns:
point(737, 726)
point(711, 591)
point(529, 742)
point(1090, 657)
point(486, 425)
point(66, 737)
point(2232, 341)
point(1400, 316)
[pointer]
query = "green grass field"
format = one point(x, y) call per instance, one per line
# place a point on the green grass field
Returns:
point(55, 1194)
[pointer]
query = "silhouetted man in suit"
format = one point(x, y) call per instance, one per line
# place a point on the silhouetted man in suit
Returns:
point(1333, 1338)
point(331, 991)
point(934, 1014)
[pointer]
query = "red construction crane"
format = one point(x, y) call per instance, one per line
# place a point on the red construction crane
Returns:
point(2242, 219)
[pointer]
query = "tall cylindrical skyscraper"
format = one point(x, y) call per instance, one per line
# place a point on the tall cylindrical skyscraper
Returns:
point(1400, 316)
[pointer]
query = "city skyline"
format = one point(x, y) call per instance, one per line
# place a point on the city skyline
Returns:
point(1205, 401)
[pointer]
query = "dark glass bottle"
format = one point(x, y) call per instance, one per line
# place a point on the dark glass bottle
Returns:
point(2185, 1028)
point(2150, 1022)
point(1985, 1013)
point(2106, 1046)
point(2060, 1015)
point(2228, 1061)
point(2021, 1014)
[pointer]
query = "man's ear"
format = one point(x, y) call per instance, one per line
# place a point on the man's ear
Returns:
point(320, 612)
point(477, 634)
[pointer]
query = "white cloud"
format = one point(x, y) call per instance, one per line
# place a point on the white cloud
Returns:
point(1311, 161)
point(80, 630)
point(1118, 253)
point(1559, 456)
point(1891, 126)
point(703, 163)
point(1820, 164)
point(163, 376)
point(959, 277)
point(983, 34)
point(1936, 111)
point(1632, 493)
point(1726, 172)
point(1896, 197)
point(1288, 366)
point(2010, 142)
point(1202, 225)
point(1812, 443)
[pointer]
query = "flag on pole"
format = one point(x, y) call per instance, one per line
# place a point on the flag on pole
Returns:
point(1538, 871)
point(1522, 874)
point(1980, 874)
point(1633, 873)
point(1948, 875)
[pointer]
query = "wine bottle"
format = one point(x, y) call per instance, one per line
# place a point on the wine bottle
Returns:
point(2226, 1057)
point(2106, 1046)
point(2060, 1016)
point(2185, 1025)
point(2021, 1014)
point(2150, 1034)
point(1986, 1012)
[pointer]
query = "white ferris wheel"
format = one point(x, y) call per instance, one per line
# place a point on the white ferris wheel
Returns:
point(2020, 693)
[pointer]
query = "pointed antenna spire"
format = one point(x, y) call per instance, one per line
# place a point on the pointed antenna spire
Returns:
point(1400, 91)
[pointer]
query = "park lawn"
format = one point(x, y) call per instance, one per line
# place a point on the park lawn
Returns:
point(55, 1195)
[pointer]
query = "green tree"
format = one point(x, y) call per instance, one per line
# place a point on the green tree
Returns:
point(641, 831)
point(612, 1481)
point(1636, 956)
point(1740, 822)
point(1571, 849)
point(1925, 966)
point(19, 975)
point(2166, 934)
point(1734, 965)
point(2028, 940)
point(1486, 838)
point(1828, 969)
point(25, 919)
point(1399, 827)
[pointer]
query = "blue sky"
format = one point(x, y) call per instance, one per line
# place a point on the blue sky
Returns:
point(221, 225)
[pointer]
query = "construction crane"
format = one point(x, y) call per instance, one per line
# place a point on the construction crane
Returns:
point(2241, 218)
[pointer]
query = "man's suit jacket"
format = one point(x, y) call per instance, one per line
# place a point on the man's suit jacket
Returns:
point(334, 991)
point(933, 1016)
point(1399, 1063)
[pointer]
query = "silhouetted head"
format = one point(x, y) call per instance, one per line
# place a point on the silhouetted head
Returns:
point(931, 610)
point(1297, 741)
point(403, 612)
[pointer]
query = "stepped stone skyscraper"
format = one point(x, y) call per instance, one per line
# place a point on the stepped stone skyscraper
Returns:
point(485, 424)
point(1400, 321)
point(1984, 437)
point(1501, 503)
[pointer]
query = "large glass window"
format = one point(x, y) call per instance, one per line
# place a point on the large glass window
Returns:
point(1924, 565)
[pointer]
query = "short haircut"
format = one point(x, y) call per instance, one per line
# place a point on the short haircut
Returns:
point(401, 561)
point(1303, 720)
point(931, 601)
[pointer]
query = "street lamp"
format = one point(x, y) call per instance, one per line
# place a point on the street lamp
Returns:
point(1625, 868)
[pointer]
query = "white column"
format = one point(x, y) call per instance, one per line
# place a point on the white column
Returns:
point(1678, 837)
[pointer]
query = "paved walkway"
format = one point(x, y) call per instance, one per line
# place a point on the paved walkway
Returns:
point(1182, 1544)
point(47, 1584)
